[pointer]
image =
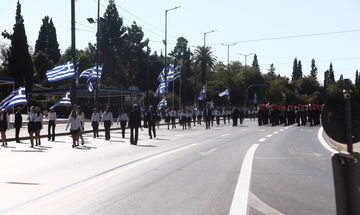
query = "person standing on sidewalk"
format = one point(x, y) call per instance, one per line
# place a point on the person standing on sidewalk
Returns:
point(75, 127)
point(4, 125)
point(52, 124)
point(95, 120)
point(107, 119)
point(31, 125)
point(17, 124)
point(173, 115)
point(152, 120)
point(123, 118)
point(134, 124)
point(81, 116)
point(38, 122)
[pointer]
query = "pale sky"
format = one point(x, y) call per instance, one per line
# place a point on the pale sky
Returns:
point(234, 20)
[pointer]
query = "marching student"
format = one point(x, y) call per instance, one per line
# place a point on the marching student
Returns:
point(95, 120)
point(151, 117)
point(134, 124)
point(17, 124)
point(173, 115)
point(123, 118)
point(38, 123)
point(75, 127)
point(4, 125)
point(81, 116)
point(193, 111)
point(207, 116)
point(107, 119)
point(51, 124)
point(31, 125)
point(217, 116)
point(167, 118)
point(188, 118)
point(183, 119)
point(199, 116)
point(158, 118)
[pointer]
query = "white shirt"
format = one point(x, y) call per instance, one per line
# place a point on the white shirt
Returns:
point(95, 117)
point(38, 117)
point(31, 117)
point(107, 116)
point(52, 116)
point(123, 117)
point(75, 123)
point(188, 114)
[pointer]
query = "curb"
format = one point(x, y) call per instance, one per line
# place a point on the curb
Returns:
point(334, 144)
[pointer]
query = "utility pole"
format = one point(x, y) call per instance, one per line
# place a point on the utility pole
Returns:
point(147, 75)
point(228, 60)
point(245, 55)
point(73, 54)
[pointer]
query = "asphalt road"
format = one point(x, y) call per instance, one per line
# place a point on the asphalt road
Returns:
point(196, 171)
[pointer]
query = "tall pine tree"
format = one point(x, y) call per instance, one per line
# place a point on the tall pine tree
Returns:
point(294, 75)
point(357, 79)
point(331, 73)
point(299, 70)
point(313, 71)
point(20, 62)
point(255, 63)
point(47, 40)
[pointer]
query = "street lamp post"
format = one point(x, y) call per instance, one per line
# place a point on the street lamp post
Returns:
point(228, 62)
point(92, 21)
point(208, 33)
point(165, 43)
point(245, 55)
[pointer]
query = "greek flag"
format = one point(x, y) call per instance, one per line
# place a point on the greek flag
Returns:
point(161, 77)
point(224, 93)
point(91, 74)
point(64, 101)
point(162, 88)
point(202, 95)
point(255, 99)
point(174, 73)
point(61, 72)
point(162, 103)
point(17, 97)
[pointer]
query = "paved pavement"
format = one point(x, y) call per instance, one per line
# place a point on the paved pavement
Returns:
point(196, 171)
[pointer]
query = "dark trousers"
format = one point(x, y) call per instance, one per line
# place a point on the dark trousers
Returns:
point(235, 121)
point(51, 130)
point(173, 122)
point(95, 126)
point(123, 126)
point(207, 123)
point(218, 120)
point(17, 132)
point(134, 138)
point(152, 128)
point(107, 125)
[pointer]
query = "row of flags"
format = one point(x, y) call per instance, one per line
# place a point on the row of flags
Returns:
point(172, 75)
point(67, 70)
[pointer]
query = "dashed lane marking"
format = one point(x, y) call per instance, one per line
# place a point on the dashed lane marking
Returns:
point(275, 132)
point(262, 139)
point(281, 130)
point(269, 135)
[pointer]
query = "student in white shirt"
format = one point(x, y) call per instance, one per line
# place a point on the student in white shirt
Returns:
point(95, 120)
point(38, 122)
point(52, 123)
point(31, 125)
point(107, 119)
point(4, 125)
point(75, 127)
point(81, 116)
point(123, 118)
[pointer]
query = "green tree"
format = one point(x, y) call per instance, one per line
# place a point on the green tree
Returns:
point(313, 71)
point(111, 46)
point(20, 62)
point(255, 63)
point(331, 73)
point(205, 59)
point(299, 70)
point(295, 70)
point(47, 40)
point(42, 63)
point(357, 79)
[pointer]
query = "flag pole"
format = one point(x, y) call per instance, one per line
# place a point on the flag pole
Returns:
point(180, 91)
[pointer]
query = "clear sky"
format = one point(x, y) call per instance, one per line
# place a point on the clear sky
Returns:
point(234, 20)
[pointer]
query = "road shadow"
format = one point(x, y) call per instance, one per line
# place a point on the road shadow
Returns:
point(85, 147)
point(10, 147)
point(29, 150)
point(161, 139)
point(21, 183)
point(151, 146)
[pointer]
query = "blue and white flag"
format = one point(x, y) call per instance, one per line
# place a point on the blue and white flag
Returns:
point(202, 95)
point(161, 77)
point(162, 88)
point(91, 74)
point(61, 72)
point(162, 103)
point(255, 99)
point(224, 93)
point(173, 73)
point(64, 101)
point(16, 97)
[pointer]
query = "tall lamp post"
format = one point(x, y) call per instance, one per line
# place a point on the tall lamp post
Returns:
point(165, 43)
point(228, 62)
point(208, 33)
point(245, 55)
point(92, 21)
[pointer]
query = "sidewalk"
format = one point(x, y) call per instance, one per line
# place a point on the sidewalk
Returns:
point(339, 146)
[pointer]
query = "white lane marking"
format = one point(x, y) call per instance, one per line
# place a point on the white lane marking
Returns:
point(208, 153)
point(224, 135)
point(276, 132)
point(261, 206)
point(25, 210)
point(269, 135)
point(281, 130)
point(324, 143)
point(262, 139)
point(287, 127)
point(239, 203)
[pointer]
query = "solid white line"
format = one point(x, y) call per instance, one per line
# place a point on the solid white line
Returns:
point(239, 204)
point(281, 130)
point(269, 135)
point(262, 139)
point(225, 135)
point(324, 143)
point(276, 132)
